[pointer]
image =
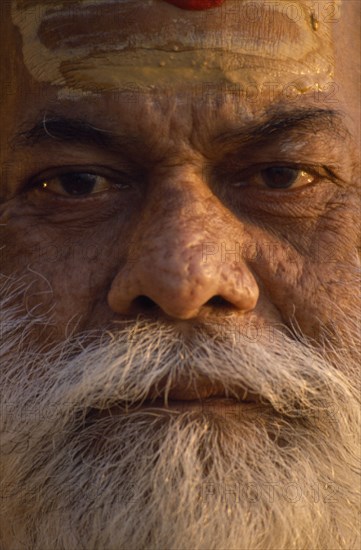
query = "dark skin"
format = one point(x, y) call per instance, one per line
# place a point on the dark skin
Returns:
point(187, 220)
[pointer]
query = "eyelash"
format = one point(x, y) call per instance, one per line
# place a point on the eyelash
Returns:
point(115, 179)
point(314, 169)
point(318, 171)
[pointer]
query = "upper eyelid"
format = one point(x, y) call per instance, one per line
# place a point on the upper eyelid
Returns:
point(52, 173)
point(315, 169)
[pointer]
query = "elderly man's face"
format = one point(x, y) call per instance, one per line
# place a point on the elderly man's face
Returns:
point(179, 211)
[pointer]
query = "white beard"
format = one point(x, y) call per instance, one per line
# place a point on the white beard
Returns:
point(285, 478)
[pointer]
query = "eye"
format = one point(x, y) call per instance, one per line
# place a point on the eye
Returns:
point(283, 177)
point(76, 184)
point(278, 177)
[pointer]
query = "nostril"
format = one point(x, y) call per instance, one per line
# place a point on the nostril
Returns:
point(218, 301)
point(144, 303)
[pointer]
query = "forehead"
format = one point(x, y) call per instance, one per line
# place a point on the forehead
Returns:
point(89, 45)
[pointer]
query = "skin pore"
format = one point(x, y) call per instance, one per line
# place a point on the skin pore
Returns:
point(179, 215)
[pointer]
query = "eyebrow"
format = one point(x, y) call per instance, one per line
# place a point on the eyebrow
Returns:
point(310, 120)
point(79, 131)
point(73, 131)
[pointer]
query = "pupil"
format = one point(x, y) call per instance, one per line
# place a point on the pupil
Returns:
point(78, 184)
point(279, 177)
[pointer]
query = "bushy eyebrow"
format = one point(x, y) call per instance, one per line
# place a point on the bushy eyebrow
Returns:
point(79, 131)
point(277, 124)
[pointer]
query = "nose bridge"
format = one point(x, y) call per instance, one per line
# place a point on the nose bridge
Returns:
point(190, 217)
point(180, 228)
point(175, 259)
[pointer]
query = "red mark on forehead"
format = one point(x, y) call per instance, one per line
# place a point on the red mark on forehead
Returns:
point(195, 4)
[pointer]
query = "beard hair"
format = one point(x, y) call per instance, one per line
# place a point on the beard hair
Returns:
point(284, 476)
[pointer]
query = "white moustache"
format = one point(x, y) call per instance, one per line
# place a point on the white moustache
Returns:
point(144, 361)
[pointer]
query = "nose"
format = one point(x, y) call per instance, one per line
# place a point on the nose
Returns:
point(183, 259)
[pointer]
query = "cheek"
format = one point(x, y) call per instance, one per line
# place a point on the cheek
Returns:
point(65, 273)
point(80, 277)
point(315, 285)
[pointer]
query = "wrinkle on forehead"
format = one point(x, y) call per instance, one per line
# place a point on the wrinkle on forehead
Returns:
point(89, 45)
